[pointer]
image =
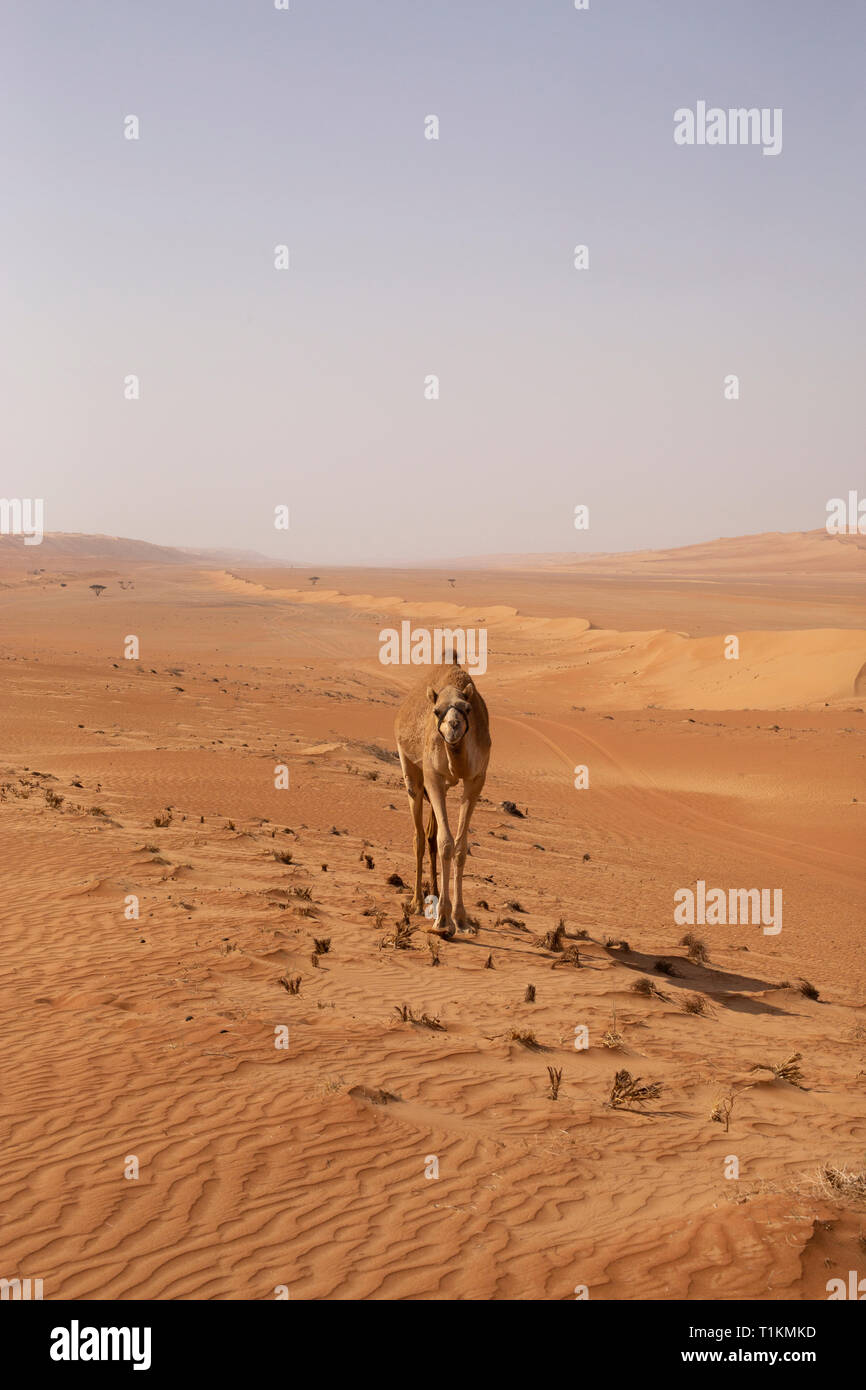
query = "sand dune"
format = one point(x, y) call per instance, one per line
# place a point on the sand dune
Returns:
point(154, 1037)
point(779, 554)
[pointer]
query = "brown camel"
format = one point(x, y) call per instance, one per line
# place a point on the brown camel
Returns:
point(443, 738)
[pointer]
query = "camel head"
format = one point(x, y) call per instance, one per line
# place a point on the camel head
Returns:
point(451, 710)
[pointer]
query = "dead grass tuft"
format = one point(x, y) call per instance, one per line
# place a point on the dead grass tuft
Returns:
point(630, 1090)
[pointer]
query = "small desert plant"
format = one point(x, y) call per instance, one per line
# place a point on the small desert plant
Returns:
point(52, 799)
point(401, 940)
point(552, 940)
point(721, 1111)
point(648, 987)
point(629, 1090)
point(695, 1004)
point(612, 1037)
point(97, 811)
point(283, 856)
point(789, 1070)
point(292, 985)
point(555, 1074)
point(405, 1014)
point(368, 860)
point(488, 964)
point(321, 945)
point(529, 996)
point(696, 949)
point(300, 891)
point(664, 967)
point(808, 989)
point(525, 1037)
point(614, 944)
point(570, 956)
point(844, 1184)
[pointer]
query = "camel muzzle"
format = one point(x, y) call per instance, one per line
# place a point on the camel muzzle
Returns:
point(451, 741)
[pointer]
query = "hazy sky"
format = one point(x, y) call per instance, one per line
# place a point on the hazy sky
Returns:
point(410, 257)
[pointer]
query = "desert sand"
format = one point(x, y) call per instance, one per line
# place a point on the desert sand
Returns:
point(149, 1042)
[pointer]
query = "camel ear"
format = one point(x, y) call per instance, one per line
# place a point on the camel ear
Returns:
point(468, 691)
point(431, 695)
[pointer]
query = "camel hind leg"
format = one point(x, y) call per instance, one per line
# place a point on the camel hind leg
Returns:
point(431, 849)
point(414, 780)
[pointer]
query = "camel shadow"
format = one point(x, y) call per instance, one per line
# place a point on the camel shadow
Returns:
point(727, 988)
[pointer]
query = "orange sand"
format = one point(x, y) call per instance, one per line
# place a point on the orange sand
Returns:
point(306, 1166)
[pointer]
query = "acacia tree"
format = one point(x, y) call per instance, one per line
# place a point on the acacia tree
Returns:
point(98, 589)
point(314, 579)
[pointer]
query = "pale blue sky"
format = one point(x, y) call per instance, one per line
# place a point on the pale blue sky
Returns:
point(412, 257)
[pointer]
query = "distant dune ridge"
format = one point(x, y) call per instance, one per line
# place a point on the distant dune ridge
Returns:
point(766, 553)
point(69, 549)
point(769, 552)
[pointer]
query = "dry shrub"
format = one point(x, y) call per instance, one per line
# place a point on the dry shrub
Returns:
point(555, 1075)
point(525, 1037)
point(664, 967)
point(401, 939)
point(612, 1037)
point(406, 1015)
point(721, 1111)
point(696, 1004)
point(842, 1184)
point(552, 940)
point(696, 949)
point(789, 1070)
point(321, 945)
point(630, 1090)
point(529, 996)
point(648, 987)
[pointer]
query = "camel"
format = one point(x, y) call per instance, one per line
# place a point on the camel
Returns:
point(443, 738)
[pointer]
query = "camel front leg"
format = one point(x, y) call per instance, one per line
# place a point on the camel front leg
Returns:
point(471, 793)
point(445, 840)
point(415, 793)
